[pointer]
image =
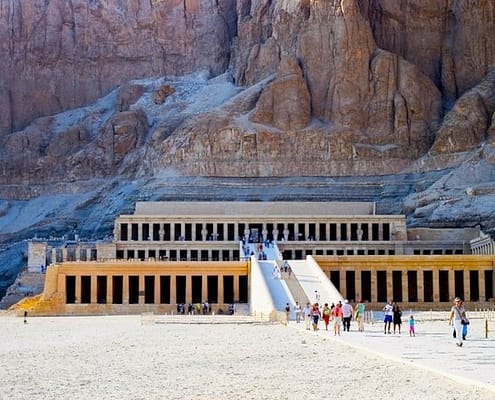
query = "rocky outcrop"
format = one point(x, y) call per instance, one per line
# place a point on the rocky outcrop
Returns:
point(286, 102)
point(466, 125)
point(60, 54)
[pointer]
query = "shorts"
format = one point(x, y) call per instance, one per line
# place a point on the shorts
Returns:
point(388, 318)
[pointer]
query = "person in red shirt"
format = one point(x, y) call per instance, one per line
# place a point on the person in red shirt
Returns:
point(337, 318)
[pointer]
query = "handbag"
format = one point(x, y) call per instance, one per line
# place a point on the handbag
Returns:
point(464, 321)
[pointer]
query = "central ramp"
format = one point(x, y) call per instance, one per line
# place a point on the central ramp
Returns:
point(314, 282)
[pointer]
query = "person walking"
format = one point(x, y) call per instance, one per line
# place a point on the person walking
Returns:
point(287, 312)
point(347, 311)
point(388, 316)
point(337, 318)
point(326, 315)
point(458, 317)
point(307, 316)
point(315, 315)
point(412, 323)
point(397, 317)
point(298, 311)
point(360, 307)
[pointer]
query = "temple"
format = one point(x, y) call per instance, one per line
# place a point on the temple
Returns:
point(170, 253)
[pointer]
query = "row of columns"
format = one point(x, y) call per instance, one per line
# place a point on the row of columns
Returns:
point(485, 246)
point(157, 288)
point(158, 254)
point(420, 285)
point(80, 252)
point(285, 234)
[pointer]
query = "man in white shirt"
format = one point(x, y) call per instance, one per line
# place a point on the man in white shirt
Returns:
point(347, 315)
point(298, 311)
point(388, 311)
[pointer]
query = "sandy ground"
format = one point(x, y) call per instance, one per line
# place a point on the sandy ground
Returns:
point(121, 358)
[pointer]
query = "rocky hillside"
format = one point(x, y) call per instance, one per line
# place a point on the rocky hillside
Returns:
point(106, 103)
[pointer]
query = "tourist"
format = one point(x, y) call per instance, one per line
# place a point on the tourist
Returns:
point(298, 311)
point(326, 315)
point(347, 315)
point(315, 315)
point(458, 316)
point(397, 317)
point(388, 316)
point(307, 316)
point(360, 307)
point(337, 318)
point(287, 312)
point(411, 326)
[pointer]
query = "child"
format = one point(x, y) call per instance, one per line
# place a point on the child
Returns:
point(411, 326)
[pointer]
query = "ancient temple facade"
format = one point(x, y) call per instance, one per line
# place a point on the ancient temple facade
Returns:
point(167, 253)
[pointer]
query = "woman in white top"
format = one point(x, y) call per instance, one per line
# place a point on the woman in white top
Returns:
point(458, 315)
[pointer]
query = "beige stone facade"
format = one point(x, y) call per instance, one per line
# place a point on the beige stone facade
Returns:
point(168, 253)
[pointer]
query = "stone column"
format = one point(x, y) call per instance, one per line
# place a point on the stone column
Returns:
point(173, 289)
point(204, 233)
point(370, 231)
point(78, 253)
point(125, 289)
point(141, 289)
point(390, 285)
point(405, 286)
point(188, 289)
point(436, 285)
point(466, 277)
point(157, 289)
point(78, 289)
point(380, 231)
point(339, 237)
point(129, 231)
point(140, 232)
point(286, 232)
point(161, 232)
point(204, 288)
point(481, 285)
point(374, 286)
point(275, 233)
point(93, 289)
point(236, 232)
point(64, 254)
point(220, 290)
point(421, 286)
point(327, 231)
point(342, 282)
point(193, 232)
point(54, 255)
point(236, 288)
point(306, 230)
point(359, 232)
point(172, 231)
point(117, 232)
point(358, 285)
point(451, 279)
point(109, 298)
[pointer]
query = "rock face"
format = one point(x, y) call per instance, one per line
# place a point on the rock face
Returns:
point(246, 88)
point(60, 54)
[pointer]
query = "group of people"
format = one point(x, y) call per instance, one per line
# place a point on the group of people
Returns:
point(340, 314)
point(392, 316)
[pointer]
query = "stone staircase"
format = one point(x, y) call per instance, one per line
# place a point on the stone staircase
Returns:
point(296, 289)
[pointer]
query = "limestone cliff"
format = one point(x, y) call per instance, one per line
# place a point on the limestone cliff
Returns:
point(247, 88)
